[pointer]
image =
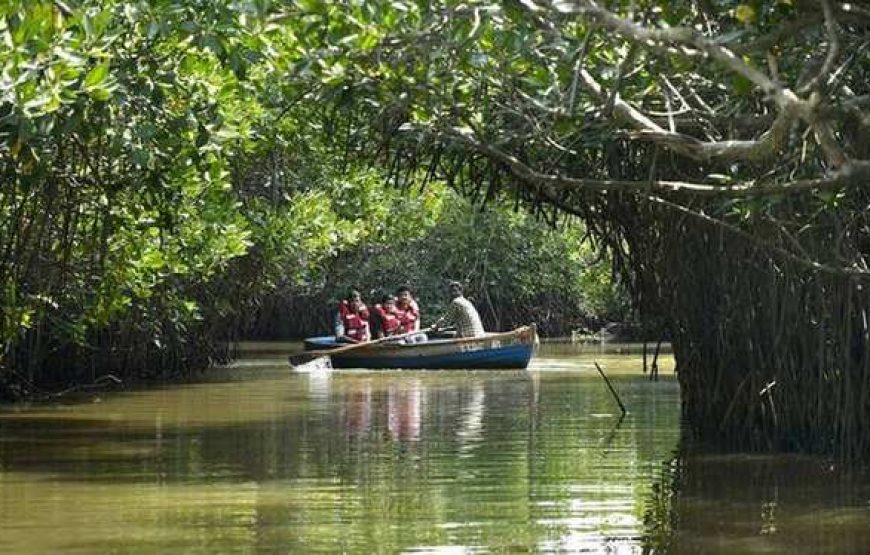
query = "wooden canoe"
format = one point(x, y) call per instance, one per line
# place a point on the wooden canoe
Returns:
point(508, 350)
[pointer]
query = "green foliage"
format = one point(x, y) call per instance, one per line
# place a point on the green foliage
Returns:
point(516, 269)
point(118, 122)
point(168, 164)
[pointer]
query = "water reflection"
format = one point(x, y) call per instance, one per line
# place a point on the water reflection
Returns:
point(264, 460)
point(403, 409)
point(746, 503)
point(318, 389)
point(358, 408)
point(471, 431)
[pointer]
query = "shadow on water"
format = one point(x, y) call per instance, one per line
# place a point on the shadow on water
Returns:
point(355, 461)
point(749, 503)
point(362, 461)
point(262, 460)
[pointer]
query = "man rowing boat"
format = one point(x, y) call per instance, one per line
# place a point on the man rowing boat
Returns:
point(461, 313)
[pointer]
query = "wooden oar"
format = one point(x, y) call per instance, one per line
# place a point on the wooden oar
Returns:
point(308, 358)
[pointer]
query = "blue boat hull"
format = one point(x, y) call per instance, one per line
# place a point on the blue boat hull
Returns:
point(502, 351)
point(512, 356)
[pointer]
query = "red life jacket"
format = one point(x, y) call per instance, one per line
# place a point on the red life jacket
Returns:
point(408, 316)
point(355, 323)
point(390, 323)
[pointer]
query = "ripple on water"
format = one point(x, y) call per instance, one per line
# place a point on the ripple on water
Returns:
point(416, 462)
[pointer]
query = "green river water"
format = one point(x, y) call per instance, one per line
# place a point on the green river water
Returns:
point(257, 459)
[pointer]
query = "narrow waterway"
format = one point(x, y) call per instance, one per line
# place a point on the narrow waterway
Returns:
point(258, 459)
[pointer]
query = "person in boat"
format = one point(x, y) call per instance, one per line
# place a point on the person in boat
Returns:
point(409, 314)
point(352, 321)
point(407, 309)
point(461, 313)
point(385, 318)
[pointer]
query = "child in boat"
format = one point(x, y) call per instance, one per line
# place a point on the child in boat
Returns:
point(407, 310)
point(386, 318)
point(352, 323)
point(409, 314)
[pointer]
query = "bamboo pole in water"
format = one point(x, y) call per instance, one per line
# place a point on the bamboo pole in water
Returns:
point(612, 390)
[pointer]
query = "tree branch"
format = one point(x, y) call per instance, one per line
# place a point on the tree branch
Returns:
point(854, 173)
point(805, 262)
point(687, 145)
point(784, 98)
point(787, 102)
point(833, 50)
point(784, 31)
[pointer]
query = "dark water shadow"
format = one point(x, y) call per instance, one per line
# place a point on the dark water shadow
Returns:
point(709, 502)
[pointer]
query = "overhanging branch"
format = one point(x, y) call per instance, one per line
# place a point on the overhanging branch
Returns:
point(785, 99)
point(854, 173)
point(765, 147)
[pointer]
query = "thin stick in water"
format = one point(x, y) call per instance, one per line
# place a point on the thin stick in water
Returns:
point(610, 387)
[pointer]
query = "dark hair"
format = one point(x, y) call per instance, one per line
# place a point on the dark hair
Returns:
point(387, 298)
point(350, 293)
point(402, 289)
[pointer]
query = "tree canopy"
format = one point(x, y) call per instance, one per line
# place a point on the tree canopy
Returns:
point(675, 103)
point(167, 164)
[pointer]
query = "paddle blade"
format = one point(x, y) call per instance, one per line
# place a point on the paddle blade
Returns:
point(310, 363)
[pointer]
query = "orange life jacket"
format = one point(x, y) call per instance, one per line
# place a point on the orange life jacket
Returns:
point(355, 323)
point(390, 322)
point(408, 316)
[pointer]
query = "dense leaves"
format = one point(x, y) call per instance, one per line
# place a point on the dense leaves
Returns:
point(168, 165)
point(515, 268)
point(719, 148)
point(119, 121)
